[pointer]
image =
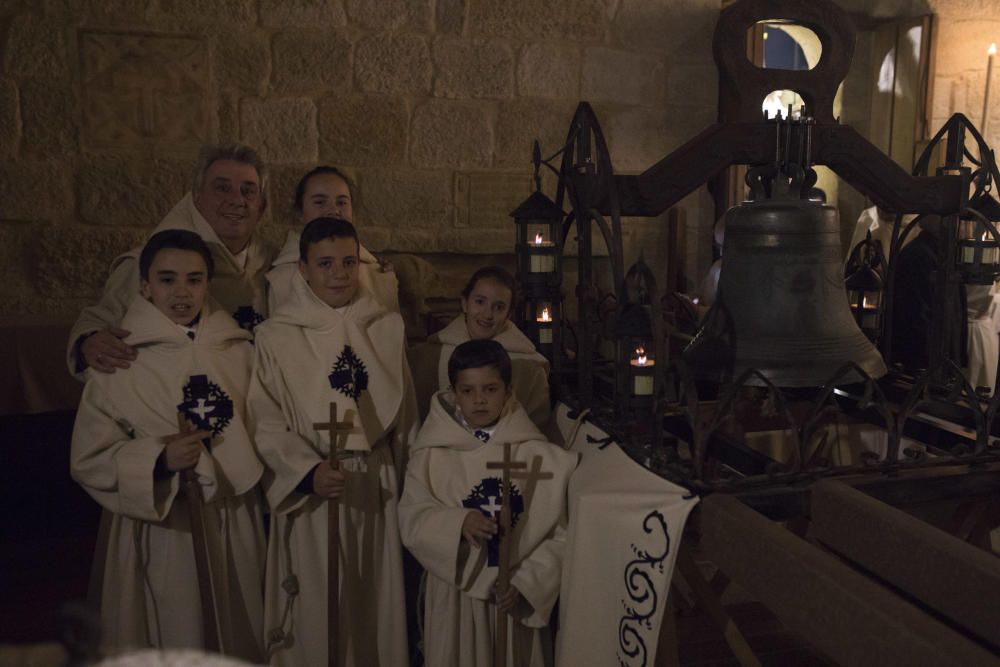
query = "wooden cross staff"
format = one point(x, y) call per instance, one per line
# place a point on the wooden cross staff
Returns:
point(509, 470)
point(202, 560)
point(338, 438)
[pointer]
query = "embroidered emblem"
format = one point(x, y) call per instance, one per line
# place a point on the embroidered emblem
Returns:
point(349, 376)
point(482, 435)
point(206, 405)
point(487, 497)
point(247, 317)
point(640, 607)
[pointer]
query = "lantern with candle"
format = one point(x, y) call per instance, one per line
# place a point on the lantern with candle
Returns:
point(978, 256)
point(538, 244)
point(637, 336)
point(539, 226)
point(539, 277)
point(636, 358)
point(641, 359)
point(865, 282)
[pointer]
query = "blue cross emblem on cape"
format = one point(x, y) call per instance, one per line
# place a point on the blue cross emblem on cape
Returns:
point(206, 405)
point(349, 375)
point(487, 497)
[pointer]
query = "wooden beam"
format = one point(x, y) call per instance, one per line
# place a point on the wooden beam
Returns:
point(845, 615)
point(955, 579)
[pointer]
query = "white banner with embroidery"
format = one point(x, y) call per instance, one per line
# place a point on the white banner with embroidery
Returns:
point(625, 525)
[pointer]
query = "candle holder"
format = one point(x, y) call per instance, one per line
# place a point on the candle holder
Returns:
point(865, 282)
point(641, 372)
point(544, 323)
point(541, 321)
point(636, 355)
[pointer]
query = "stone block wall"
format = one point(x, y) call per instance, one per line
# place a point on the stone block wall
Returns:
point(966, 28)
point(432, 105)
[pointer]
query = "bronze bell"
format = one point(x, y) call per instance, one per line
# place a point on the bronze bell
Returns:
point(781, 307)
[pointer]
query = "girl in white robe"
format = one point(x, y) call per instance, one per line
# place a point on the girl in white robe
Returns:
point(310, 355)
point(487, 301)
point(446, 477)
point(144, 570)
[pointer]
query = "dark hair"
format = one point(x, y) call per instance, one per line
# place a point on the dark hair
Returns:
point(325, 228)
point(479, 354)
point(497, 273)
point(300, 189)
point(178, 239)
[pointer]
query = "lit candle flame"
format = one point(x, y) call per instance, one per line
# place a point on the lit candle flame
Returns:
point(640, 353)
point(538, 239)
point(992, 51)
point(545, 316)
point(864, 303)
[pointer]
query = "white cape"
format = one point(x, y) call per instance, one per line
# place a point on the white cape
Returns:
point(144, 572)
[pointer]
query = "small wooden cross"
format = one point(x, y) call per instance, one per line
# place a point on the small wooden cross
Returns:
point(338, 439)
point(531, 478)
point(200, 537)
point(338, 433)
point(507, 466)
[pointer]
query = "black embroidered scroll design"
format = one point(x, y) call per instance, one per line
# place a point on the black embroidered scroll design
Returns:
point(642, 601)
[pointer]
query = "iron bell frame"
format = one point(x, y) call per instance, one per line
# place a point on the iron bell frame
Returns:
point(598, 198)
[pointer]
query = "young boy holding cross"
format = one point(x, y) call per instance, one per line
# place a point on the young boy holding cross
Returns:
point(332, 410)
point(173, 569)
point(484, 511)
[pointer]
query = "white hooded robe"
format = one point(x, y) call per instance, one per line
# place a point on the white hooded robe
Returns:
point(309, 355)
point(147, 582)
point(445, 479)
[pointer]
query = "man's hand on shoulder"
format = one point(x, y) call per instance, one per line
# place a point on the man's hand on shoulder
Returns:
point(104, 350)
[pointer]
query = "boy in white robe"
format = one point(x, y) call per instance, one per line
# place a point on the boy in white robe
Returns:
point(328, 343)
point(224, 208)
point(128, 453)
point(451, 504)
point(325, 192)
